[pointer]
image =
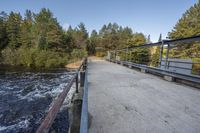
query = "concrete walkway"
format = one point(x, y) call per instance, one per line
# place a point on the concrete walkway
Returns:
point(122, 100)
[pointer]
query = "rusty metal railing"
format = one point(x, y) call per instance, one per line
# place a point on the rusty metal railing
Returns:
point(58, 102)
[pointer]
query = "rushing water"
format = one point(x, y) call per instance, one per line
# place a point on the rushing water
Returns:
point(25, 98)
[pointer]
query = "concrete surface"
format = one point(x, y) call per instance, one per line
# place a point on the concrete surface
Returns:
point(169, 78)
point(122, 100)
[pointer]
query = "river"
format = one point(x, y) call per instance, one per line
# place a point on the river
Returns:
point(26, 96)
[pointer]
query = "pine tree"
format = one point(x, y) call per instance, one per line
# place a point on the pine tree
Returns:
point(26, 33)
point(13, 30)
point(156, 55)
point(149, 39)
point(55, 37)
point(48, 30)
point(69, 40)
point(125, 35)
point(93, 42)
point(42, 42)
point(139, 55)
point(81, 36)
point(3, 33)
point(187, 26)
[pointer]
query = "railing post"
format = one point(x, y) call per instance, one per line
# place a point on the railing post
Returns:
point(85, 65)
point(82, 74)
point(115, 55)
point(167, 56)
point(127, 54)
point(161, 52)
point(77, 83)
point(82, 78)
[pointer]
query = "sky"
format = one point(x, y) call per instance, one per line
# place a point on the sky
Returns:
point(151, 17)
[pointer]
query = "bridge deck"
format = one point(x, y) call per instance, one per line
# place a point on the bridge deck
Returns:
point(122, 100)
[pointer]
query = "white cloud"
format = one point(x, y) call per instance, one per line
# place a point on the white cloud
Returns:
point(65, 26)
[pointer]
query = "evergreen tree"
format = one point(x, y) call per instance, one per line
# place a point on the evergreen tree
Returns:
point(149, 39)
point(187, 26)
point(55, 37)
point(93, 41)
point(13, 30)
point(156, 54)
point(3, 33)
point(48, 30)
point(26, 34)
point(42, 42)
point(110, 37)
point(81, 36)
point(125, 35)
point(69, 40)
point(139, 55)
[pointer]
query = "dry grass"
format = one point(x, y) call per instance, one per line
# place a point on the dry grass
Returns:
point(74, 65)
point(95, 58)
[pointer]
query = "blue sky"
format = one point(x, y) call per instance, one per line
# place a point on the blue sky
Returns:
point(148, 16)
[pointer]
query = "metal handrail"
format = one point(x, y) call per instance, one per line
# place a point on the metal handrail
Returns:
point(175, 41)
point(84, 112)
point(57, 103)
point(182, 41)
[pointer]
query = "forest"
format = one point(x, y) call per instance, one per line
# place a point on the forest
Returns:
point(37, 40)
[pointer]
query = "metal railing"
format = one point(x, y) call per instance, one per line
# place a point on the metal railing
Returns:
point(157, 70)
point(58, 102)
point(154, 70)
point(84, 112)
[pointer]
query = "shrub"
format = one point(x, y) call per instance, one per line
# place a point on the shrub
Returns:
point(26, 56)
point(10, 57)
point(34, 58)
point(78, 54)
point(196, 66)
point(40, 58)
point(100, 54)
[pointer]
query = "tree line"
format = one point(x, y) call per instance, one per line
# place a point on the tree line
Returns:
point(37, 40)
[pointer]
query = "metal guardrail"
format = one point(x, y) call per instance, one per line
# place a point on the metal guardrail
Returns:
point(169, 43)
point(58, 102)
point(84, 112)
point(175, 41)
point(187, 77)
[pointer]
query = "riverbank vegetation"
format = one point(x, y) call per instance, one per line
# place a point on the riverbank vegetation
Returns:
point(37, 40)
